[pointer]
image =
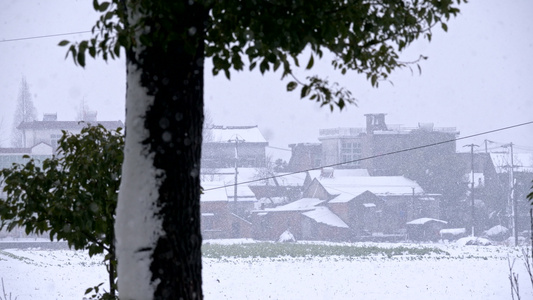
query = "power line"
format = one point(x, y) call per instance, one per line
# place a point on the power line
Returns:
point(375, 156)
point(43, 36)
point(278, 148)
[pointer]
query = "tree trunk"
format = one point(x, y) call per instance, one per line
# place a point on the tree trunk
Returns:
point(158, 213)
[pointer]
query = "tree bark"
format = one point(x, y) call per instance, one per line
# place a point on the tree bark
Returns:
point(158, 214)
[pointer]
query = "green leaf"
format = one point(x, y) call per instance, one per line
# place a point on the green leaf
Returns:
point(291, 86)
point(310, 63)
point(92, 51)
point(116, 49)
point(253, 65)
point(264, 66)
point(63, 43)
point(81, 58)
point(305, 91)
point(104, 6)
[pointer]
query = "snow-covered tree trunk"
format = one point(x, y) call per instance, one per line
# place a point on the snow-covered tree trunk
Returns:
point(158, 213)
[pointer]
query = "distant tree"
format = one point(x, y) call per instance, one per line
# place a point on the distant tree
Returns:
point(24, 112)
point(280, 165)
point(71, 196)
point(266, 171)
point(3, 135)
point(83, 111)
point(166, 43)
point(207, 131)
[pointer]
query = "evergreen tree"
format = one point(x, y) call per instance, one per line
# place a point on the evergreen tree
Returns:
point(25, 112)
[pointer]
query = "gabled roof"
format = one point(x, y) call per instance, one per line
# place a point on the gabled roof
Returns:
point(22, 151)
point(423, 221)
point(298, 205)
point(349, 187)
point(523, 162)
point(284, 179)
point(67, 125)
point(322, 214)
point(226, 190)
point(15, 150)
point(213, 191)
point(227, 134)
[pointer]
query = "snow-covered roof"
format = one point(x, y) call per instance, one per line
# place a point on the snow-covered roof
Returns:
point(213, 191)
point(284, 179)
point(250, 134)
point(41, 148)
point(496, 230)
point(67, 125)
point(302, 204)
point(244, 193)
point(349, 187)
point(226, 177)
point(523, 162)
point(453, 231)
point(323, 215)
point(220, 191)
point(422, 221)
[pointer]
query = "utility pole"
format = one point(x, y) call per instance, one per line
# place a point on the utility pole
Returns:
point(473, 182)
point(237, 141)
point(513, 202)
point(486, 148)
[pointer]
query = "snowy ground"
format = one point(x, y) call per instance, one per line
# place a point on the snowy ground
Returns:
point(469, 272)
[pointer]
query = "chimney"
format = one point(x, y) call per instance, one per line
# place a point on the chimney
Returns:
point(375, 122)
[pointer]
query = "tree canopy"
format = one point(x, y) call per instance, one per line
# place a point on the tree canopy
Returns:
point(366, 37)
point(166, 44)
point(71, 196)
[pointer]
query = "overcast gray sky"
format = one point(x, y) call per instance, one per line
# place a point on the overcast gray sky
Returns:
point(477, 78)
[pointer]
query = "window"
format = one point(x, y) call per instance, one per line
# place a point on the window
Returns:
point(54, 139)
point(350, 152)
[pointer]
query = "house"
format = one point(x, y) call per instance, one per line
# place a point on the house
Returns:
point(488, 189)
point(425, 153)
point(515, 184)
point(305, 156)
point(217, 218)
point(279, 189)
point(39, 152)
point(49, 130)
point(305, 219)
point(10, 156)
point(225, 145)
point(375, 204)
point(346, 205)
point(425, 229)
point(241, 198)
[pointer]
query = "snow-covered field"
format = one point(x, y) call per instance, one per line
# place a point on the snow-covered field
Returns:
point(468, 272)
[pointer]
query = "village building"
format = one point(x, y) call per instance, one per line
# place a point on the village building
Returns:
point(218, 217)
point(224, 146)
point(49, 130)
point(347, 207)
point(305, 156)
